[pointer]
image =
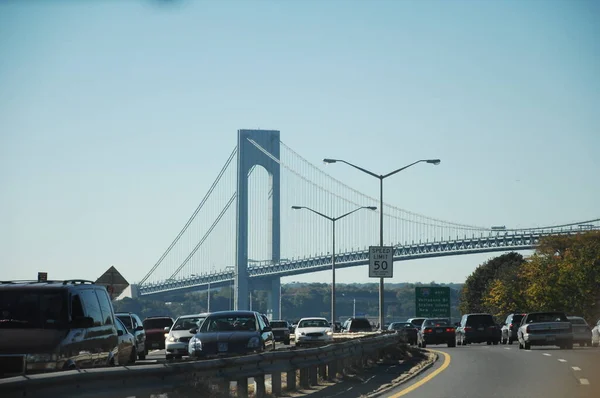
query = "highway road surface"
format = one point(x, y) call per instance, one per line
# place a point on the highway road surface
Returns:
point(477, 371)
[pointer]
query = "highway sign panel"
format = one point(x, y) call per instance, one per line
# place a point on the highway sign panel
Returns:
point(381, 262)
point(432, 302)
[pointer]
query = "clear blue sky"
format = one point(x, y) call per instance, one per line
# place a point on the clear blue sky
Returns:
point(116, 116)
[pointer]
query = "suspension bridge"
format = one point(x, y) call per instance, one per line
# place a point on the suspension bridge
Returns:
point(244, 231)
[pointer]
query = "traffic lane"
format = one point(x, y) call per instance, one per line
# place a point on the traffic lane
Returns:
point(476, 371)
point(584, 362)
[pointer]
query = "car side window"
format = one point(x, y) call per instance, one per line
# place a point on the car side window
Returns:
point(261, 323)
point(91, 305)
point(76, 307)
point(105, 307)
point(136, 321)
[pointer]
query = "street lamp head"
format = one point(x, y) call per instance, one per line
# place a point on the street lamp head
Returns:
point(329, 160)
point(434, 161)
point(296, 207)
point(371, 207)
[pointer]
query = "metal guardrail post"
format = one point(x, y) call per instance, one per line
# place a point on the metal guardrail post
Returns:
point(276, 383)
point(332, 370)
point(304, 378)
point(259, 386)
point(313, 375)
point(242, 387)
point(323, 371)
point(291, 380)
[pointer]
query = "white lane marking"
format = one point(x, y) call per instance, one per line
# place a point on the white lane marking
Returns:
point(506, 348)
point(548, 355)
point(575, 368)
point(562, 360)
point(584, 381)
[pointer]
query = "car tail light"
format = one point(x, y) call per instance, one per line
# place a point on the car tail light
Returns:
point(427, 330)
point(527, 329)
point(467, 328)
point(510, 326)
point(449, 329)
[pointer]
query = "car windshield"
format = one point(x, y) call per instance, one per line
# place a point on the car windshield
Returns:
point(547, 317)
point(230, 323)
point(188, 323)
point(577, 321)
point(157, 323)
point(279, 324)
point(313, 323)
point(31, 309)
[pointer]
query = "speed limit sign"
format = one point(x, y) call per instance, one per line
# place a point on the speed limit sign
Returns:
point(381, 262)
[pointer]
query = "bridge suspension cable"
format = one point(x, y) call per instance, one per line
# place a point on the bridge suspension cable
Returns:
point(193, 216)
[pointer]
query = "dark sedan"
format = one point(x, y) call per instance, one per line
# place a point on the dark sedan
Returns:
point(436, 331)
point(229, 333)
point(406, 330)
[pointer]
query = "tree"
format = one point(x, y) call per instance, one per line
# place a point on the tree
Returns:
point(480, 281)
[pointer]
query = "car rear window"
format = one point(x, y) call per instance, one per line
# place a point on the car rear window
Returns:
point(188, 323)
point(436, 322)
point(157, 323)
point(517, 318)
point(480, 320)
point(547, 317)
point(577, 321)
point(418, 322)
point(360, 323)
point(276, 324)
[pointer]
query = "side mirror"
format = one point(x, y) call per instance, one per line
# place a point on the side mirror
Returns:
point(119, 332)
point(193, 331)
point(266, 329)
point(139, 328)
point(167, 329)
point(82, 322)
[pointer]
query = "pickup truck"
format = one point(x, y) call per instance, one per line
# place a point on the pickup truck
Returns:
point(545, 328)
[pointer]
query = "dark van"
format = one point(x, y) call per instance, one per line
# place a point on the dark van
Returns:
point(477, 328)
point(55, 325)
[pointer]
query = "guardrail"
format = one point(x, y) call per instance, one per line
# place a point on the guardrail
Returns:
point(205, 377)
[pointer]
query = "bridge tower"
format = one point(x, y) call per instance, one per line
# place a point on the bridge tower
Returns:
point(249, 156)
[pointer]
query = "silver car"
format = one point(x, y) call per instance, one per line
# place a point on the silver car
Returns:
point(179, 335)
point(582, 333)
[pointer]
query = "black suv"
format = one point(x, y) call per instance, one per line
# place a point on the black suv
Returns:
point(353, 325)
point(477, 328)
point(55, 325)
point(508, 333)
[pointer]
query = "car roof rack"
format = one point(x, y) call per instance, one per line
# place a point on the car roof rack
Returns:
point(77, 282)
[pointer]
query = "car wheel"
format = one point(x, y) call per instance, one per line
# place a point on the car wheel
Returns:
point(594, 344)
point(451, 344)
point(569, 346)
point(527, 346)
point(510, 341)
point(169, 357)
point(142, 355)
point(489, 342)
point(286, 342)
point(495, 342)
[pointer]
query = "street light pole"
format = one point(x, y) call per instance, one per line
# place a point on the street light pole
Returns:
point(333, 220)
point(208, 298)
point(381, 177)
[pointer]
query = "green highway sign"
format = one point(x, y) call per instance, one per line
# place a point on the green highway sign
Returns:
point(432, 302)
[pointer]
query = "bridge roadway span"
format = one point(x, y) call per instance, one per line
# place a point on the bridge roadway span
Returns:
point(517, 240)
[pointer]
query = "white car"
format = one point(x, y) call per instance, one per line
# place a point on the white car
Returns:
point(313, 331)
point(178, 336)
point(596, 334)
